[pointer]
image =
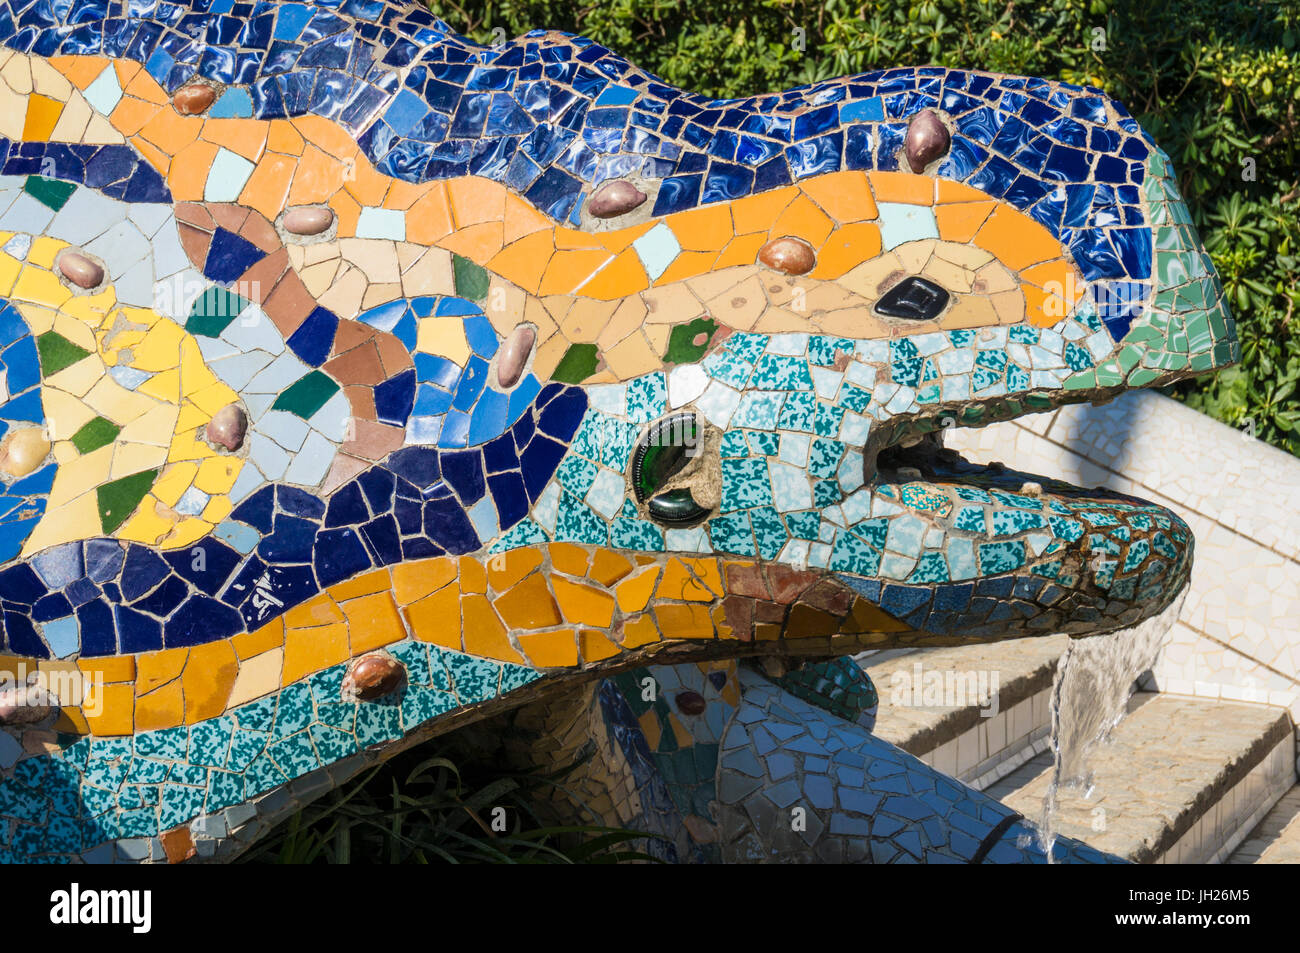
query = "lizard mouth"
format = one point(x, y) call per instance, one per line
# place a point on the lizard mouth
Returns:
point(988, 551)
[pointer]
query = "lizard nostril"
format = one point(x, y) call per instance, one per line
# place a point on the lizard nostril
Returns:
point(661, 454)
point(913, 299)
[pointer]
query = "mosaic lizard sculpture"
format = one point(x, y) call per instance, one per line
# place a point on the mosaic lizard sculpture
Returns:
point(360, 383)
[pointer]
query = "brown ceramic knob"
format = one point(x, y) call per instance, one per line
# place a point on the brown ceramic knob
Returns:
point(308, 220)
point(615, 198)
point(23, 451)
point(193, 99)
point(80, 270)
point(927, 139)
point(514, 355)
point(228, 427)
point(690, 703)
point(372, 676)
point(790, 256)
point(25, 705)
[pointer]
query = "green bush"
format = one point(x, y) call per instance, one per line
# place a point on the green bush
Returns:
point(1216, 83)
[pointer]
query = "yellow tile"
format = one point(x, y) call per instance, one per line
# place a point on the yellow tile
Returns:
point(110, 710)
point(258, 676)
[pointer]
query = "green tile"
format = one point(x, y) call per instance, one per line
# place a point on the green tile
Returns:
point(118, 500)
point(97, 433)
point(471, 278)
point(307, 395)
point(213, 311)
point(579, 363)
point(682, 346)
point(49, 192)
point(57, 352)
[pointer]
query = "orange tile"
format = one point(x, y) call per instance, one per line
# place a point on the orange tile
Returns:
point(475, 200)
point(269, 636)
point(320, 609)
point(609, 567)
point(189, 171)
point(208, 677)
point(162, 708)
point(742, 250)
point(522, 219)
point(476, 242)
point(436, 617)
point(267, 189)
point(684, 621)
point(1016, 239)
point(377, 580)
point(960, 221)
point(415, 580)
point(284, 138)
point(594, 646)
point(568, 269)
point(116, 715)
point(366, 184)
point(81, 71)
point(157, 668)
point(430, 217)
point(317, 178)
point(472, 575)
point(309, 650)
point(568, 558)
point(326, 134)
point(117, 668)
point(524, 261)
point(756, 213)
point(844, 196)
point(528, 605)
point(678, 583)
point(402, 195)
point(42, 116)
point(634, 592)
point(845, 249)
point(130, 115)
point(1043, 308)
point(484, 635)
point(622, 276)
point(506, 569)
point(707, 228)
point(583, 605)
point(550, 649)
point(687, 264)
point(141, 84)
point(803, 219)
point(902, 187)
point(171, 132)
point(640, 631)
point(373, 622)
point(950, 191)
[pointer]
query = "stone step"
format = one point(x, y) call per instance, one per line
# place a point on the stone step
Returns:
point(1276, 840)
point(1182, 780)
point(974, 712)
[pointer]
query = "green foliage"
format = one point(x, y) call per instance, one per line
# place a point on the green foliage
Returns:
point(422, 808)
point(1215, 83)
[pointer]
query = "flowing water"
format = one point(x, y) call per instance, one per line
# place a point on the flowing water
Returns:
point(1089, 697)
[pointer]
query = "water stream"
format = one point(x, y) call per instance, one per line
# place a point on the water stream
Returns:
point(1089, 697)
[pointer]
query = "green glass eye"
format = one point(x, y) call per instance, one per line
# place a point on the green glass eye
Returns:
point(659, 456)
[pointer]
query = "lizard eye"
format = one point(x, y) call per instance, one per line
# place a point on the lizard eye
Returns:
point(913, 299)
point(664, 451)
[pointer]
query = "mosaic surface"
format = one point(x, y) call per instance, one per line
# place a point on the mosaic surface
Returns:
point(359, 382)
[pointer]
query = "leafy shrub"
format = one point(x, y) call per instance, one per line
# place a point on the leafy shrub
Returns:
point(1216, 83)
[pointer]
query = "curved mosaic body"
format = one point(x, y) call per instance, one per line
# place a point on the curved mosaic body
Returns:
point(326, 333)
